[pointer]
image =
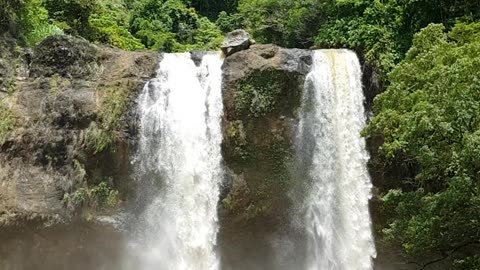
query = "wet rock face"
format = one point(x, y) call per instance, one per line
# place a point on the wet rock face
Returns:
point(262, 89)
point(44, 156)
point(235, 41)
point(66, 56)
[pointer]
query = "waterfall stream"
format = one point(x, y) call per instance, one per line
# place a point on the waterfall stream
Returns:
point(179, 152)
point(332, 152)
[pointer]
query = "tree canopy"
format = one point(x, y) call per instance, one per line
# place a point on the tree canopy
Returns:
point(429, 116)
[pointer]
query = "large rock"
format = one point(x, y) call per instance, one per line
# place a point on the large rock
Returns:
point(66, 56)
point(236, 41)
point(262, 89)
point(44, 158)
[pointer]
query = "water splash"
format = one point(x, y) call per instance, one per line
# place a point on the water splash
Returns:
point(179, 158)
point(333, 154)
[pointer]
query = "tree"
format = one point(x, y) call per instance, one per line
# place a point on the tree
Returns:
point(380, 29)
point(109, 24)
point(284, 22)
point(170, 26)
point(74, 14)
point(430, 116)
point(211, 8)
point(26, 20)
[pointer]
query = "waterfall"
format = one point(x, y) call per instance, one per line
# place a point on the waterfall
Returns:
point(179, 161)
point(332, 154)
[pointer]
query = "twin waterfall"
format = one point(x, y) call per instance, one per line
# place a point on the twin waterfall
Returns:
point(179, 161)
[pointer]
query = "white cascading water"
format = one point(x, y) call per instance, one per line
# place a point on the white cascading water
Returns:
point(179, 152)
point(337, 219)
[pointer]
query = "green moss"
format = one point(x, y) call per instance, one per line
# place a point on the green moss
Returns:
point(99, 197)
point(54, 84)
point(7, 123)
point(280, 157)
point(258, 144)
point(228, 203)
point(98, 139)
point(257, 95)
point(11, 87)
point(102, 135)
point(236, 135)
point(264, 92)
point(267, 170)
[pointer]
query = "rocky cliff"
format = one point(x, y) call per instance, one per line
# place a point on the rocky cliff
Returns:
point(68, 130)
point(262, 88)
point(68, 124)
point(64, 126)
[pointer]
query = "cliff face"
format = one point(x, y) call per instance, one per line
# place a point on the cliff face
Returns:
point(67, 134)
point(262, 89)
point(64, 120)
point(67, 127)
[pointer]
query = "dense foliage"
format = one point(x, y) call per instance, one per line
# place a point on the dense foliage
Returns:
point(380, 29)
point(428, 116)
point(211, 8)
point(170, 26)
point(26, 19)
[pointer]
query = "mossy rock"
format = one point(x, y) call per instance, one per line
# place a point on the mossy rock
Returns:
point(64, 55)
point(266, 92)
point(259, 142)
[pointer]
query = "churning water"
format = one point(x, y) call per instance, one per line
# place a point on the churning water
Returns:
point(337, 219)
point(179, 152)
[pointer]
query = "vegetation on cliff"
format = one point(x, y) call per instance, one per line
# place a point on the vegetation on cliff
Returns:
point(7, 123)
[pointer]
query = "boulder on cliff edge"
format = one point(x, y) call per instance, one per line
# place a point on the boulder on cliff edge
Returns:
point(64, 55)
point(235, 41)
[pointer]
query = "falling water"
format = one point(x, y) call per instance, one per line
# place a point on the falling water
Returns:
point(179, 158)
point(337, 216)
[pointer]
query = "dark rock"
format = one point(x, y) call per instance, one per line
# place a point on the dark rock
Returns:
point(236, 41)
point(262, 89)
point(372, 83)
point(64, 55)
point(197, 57)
